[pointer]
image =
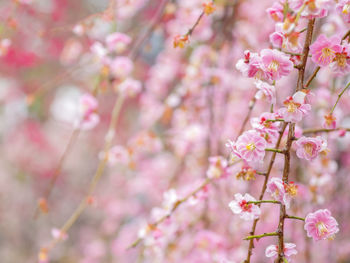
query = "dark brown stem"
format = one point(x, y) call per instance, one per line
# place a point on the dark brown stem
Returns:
point(286, 169)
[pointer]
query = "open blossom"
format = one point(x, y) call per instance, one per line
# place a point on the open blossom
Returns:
point(267, 128)
point(311, 8)
point(330, 122)
point(343, 7)
point(341, 63)
point(117, 41)
point(289, 41)
point(321, 225)
point(118, 154)
point(324, 50)
point(276, 11)
point(295, 107)
point(129, 87)
point(121, 67)
point(308, 148)
point(251, 66)
point(276, 188)
point(241, 206)
point(250, 146)
point(265, 91)
point(218, 167)
point(276, 63)
point(88, 118)
point(289, 250)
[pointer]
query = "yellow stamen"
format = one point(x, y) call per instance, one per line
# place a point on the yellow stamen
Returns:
point(274, 65)
point(250, 146)
point(346, 9)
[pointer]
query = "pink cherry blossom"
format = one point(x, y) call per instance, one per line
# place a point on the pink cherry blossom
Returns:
point(277, 190)
point(289, 250)
point(311, 8)
point(276, 11)
point(308, 148)
point(330, 122)
point(324, 50)
point(295, 108)
point(341, 62)
point(121, 67)
point(117, 41)
point(88, 118)
point(218, 167)
point(251, 66)
point(129, 87)
point(265, 91)
point(267, 128)
point(241, 206)
point(119, 154)
point(343, 7)
point(275, 63)
point(321, 225)
point(250, 146)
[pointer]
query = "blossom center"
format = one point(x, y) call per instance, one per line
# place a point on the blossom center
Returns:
point(327, 53)
point(274, 65)
point(340, 58)
point(321, 228)
point(250, 146)
point(245, 206)
point(308, 147)
point(292, 106)
point(346, 9)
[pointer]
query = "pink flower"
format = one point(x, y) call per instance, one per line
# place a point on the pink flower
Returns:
point(88, 118)
point(269, 130)
point(341, 63)
point(330, 122)
point(241, 206)
point(250, 146)
point(295, 107)
point(312, 8)
point(265, 90)
point(308, 148)
point(251, 66)
point(98, 50)
point(321, 225)
point(276, 188)
point(129, 87)
point(218, 167)
point(289, 250)
point(275, 63)
point(121, 67)
point(324, 50)
point(118, 154)
point(277, 39)
point(343, 7)
point(276, 11)
point(117, 42)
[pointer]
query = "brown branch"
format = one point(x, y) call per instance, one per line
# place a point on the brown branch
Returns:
point(286, 169)
point(263, 190)
point(317, 130)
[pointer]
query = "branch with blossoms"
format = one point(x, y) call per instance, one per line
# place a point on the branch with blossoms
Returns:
point(270, 66)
